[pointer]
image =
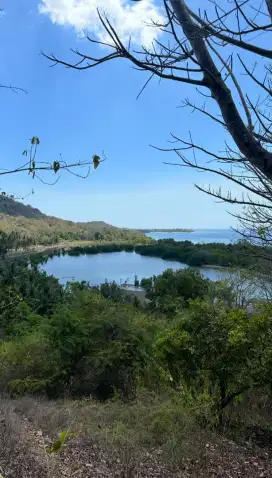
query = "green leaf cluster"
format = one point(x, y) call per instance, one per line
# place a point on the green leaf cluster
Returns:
point(79, 340)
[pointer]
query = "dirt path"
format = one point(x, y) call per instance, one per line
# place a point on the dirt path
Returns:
point(45, 249)
point(21, 449)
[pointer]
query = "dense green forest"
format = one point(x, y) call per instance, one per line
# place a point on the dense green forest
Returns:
point(13, 241)
point(241, 254)
point(101, 341)
point(179, 358)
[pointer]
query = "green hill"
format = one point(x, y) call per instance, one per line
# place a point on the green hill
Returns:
point(42, 229)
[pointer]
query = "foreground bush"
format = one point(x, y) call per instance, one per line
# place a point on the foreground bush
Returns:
point(88, 346)
point(80, 340)
point(219, 353)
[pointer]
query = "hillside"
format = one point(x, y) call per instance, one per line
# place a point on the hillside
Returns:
point(43, 229)
point(15, 208)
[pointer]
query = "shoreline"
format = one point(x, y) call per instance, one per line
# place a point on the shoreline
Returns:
point(210, 266)
point(172, 231)
point(66, 246)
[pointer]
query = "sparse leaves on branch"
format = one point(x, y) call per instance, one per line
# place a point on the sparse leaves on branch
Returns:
point(35, 140)
point(96, 161)
point(35, 167)
point(56, 166)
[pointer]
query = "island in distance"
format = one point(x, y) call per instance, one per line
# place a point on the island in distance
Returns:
point(165, 230)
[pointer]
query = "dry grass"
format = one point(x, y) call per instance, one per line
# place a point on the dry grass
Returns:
point(143, 425)
point(150, 434)
point(17, 455)
point(10, 429)
point(152, 437)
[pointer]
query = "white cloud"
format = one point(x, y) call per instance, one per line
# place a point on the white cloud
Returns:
point(129, 18)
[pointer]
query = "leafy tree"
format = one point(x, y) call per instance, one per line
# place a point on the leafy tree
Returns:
point(136, 281)
point(23, 362)
point(22, 320)
point(196, 255)
point(18, 282)
point(98, 236)
point(218, 351)
point(110, 290)
point(97, 347)
point(13, 241)
point(172, 290)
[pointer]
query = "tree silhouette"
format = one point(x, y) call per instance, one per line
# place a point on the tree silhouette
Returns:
point(218, 51)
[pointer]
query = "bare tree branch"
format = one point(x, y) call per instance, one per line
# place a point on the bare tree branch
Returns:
point(202, 51)
point(245, 141)
point(229, 39)
point(269, 7)
point(14, 89)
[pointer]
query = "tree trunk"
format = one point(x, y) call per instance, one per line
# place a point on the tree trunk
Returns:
point(269, 7)
point(251, 148)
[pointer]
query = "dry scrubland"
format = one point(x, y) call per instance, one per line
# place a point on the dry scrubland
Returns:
point(152, 437)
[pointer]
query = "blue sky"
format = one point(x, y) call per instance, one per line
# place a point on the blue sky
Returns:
point(82, 113)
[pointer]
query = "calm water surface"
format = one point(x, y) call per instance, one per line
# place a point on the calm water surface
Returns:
point(122, 267)
point(199, 235)
point(116, 266)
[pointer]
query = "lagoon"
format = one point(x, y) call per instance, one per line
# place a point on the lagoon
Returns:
point(120, 267)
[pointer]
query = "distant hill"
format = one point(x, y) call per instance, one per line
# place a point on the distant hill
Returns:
point(15, 208)
point(43, 229)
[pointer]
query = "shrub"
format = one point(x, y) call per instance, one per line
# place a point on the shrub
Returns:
point(28, 386)
point(98, 347)
point(172, 290)
point(219, 352)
